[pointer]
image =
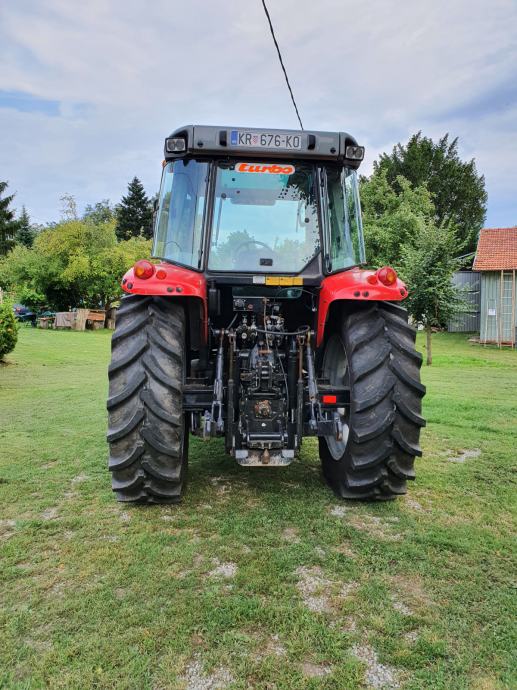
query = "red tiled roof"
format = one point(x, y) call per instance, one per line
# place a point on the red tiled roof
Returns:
point(497, 250)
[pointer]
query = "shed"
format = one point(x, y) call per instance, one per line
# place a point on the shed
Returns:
point(466, 320)
point(496, 260)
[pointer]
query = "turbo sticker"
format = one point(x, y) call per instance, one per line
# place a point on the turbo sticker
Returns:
point(269, 168)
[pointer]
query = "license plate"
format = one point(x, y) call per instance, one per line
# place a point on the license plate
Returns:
point(265, 140)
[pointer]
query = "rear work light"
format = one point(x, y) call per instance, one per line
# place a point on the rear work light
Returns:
point(175, 145)
point(143, 269)
point(387, 276)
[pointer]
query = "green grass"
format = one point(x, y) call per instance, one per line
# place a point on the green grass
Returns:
point(95, 594)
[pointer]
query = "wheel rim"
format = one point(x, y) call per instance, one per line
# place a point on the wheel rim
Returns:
point(335, 369)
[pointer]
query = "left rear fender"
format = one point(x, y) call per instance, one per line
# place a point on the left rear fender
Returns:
point(357, 285)
point(171, 281)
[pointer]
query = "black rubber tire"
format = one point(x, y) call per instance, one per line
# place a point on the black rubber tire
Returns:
point(147, 431)
point(385, 405)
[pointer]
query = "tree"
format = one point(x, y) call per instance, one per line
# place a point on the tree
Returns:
point(68, 207)
point(101, 212)
point(134, 214)
point(427, 265)
point(74, 264)
point(8, 224)
point(8, 329)
point(457, 190)
point(25, 233)
point(392, 218)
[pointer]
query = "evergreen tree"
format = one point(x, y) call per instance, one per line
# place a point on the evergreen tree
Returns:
point(8, 224)
point(134, 214)
point(458, 192)
point(25, 233)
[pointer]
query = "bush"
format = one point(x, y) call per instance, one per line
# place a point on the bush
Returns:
point(8, 329)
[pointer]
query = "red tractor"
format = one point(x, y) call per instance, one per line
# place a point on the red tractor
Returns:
point(258, 325)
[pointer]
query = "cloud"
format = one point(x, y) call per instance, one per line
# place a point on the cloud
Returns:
point(126, 74)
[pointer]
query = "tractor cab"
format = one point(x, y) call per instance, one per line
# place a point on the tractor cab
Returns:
point(260, 202)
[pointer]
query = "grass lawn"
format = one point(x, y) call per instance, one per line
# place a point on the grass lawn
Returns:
point(261, 578)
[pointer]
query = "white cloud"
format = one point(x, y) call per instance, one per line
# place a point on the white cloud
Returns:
point(127, 73)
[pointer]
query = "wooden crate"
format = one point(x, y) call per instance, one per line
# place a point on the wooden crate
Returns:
point(96, 315)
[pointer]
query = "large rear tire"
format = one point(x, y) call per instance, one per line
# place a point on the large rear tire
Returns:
point(373, 351)
point(147, 430)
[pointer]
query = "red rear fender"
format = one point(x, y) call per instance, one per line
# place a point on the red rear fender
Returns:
point(170, 281)
point(358, 285)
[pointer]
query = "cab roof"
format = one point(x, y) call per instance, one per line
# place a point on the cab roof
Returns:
point(252, 142)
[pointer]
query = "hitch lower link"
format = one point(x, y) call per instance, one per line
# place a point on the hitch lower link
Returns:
point(319, 424)
point(214, 423)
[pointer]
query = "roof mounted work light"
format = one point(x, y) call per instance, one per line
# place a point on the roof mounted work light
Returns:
point(354, 153)
point(175, 145)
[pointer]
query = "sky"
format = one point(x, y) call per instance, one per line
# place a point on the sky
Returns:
point(89, 91)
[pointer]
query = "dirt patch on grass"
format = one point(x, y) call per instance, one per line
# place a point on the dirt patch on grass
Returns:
point(346, 550)
point(314, 587)
point(271, 646)
point(226, 570)
point(79, 479)
point(348, 589)
point(198, 559)
point(7, 524)
point(464, 455)
point(39, 646)
point(485, 683)
point(274, 647)
point(320, 594)
point(291, 535)
point(348, 625)
point(50, 514)
point(374, 526)
point(311, 670)
point(222, 485)
point(401, 607)
point(196, 679)
point(409, 594)
point(411, 636)
point(412, 504)
point(377, 675)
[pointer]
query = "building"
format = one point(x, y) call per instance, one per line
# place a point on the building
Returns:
point(496, 261)
point(467, 319)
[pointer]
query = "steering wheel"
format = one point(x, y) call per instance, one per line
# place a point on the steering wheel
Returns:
point(239, 250)
point(172, 242)
point(246, 242)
